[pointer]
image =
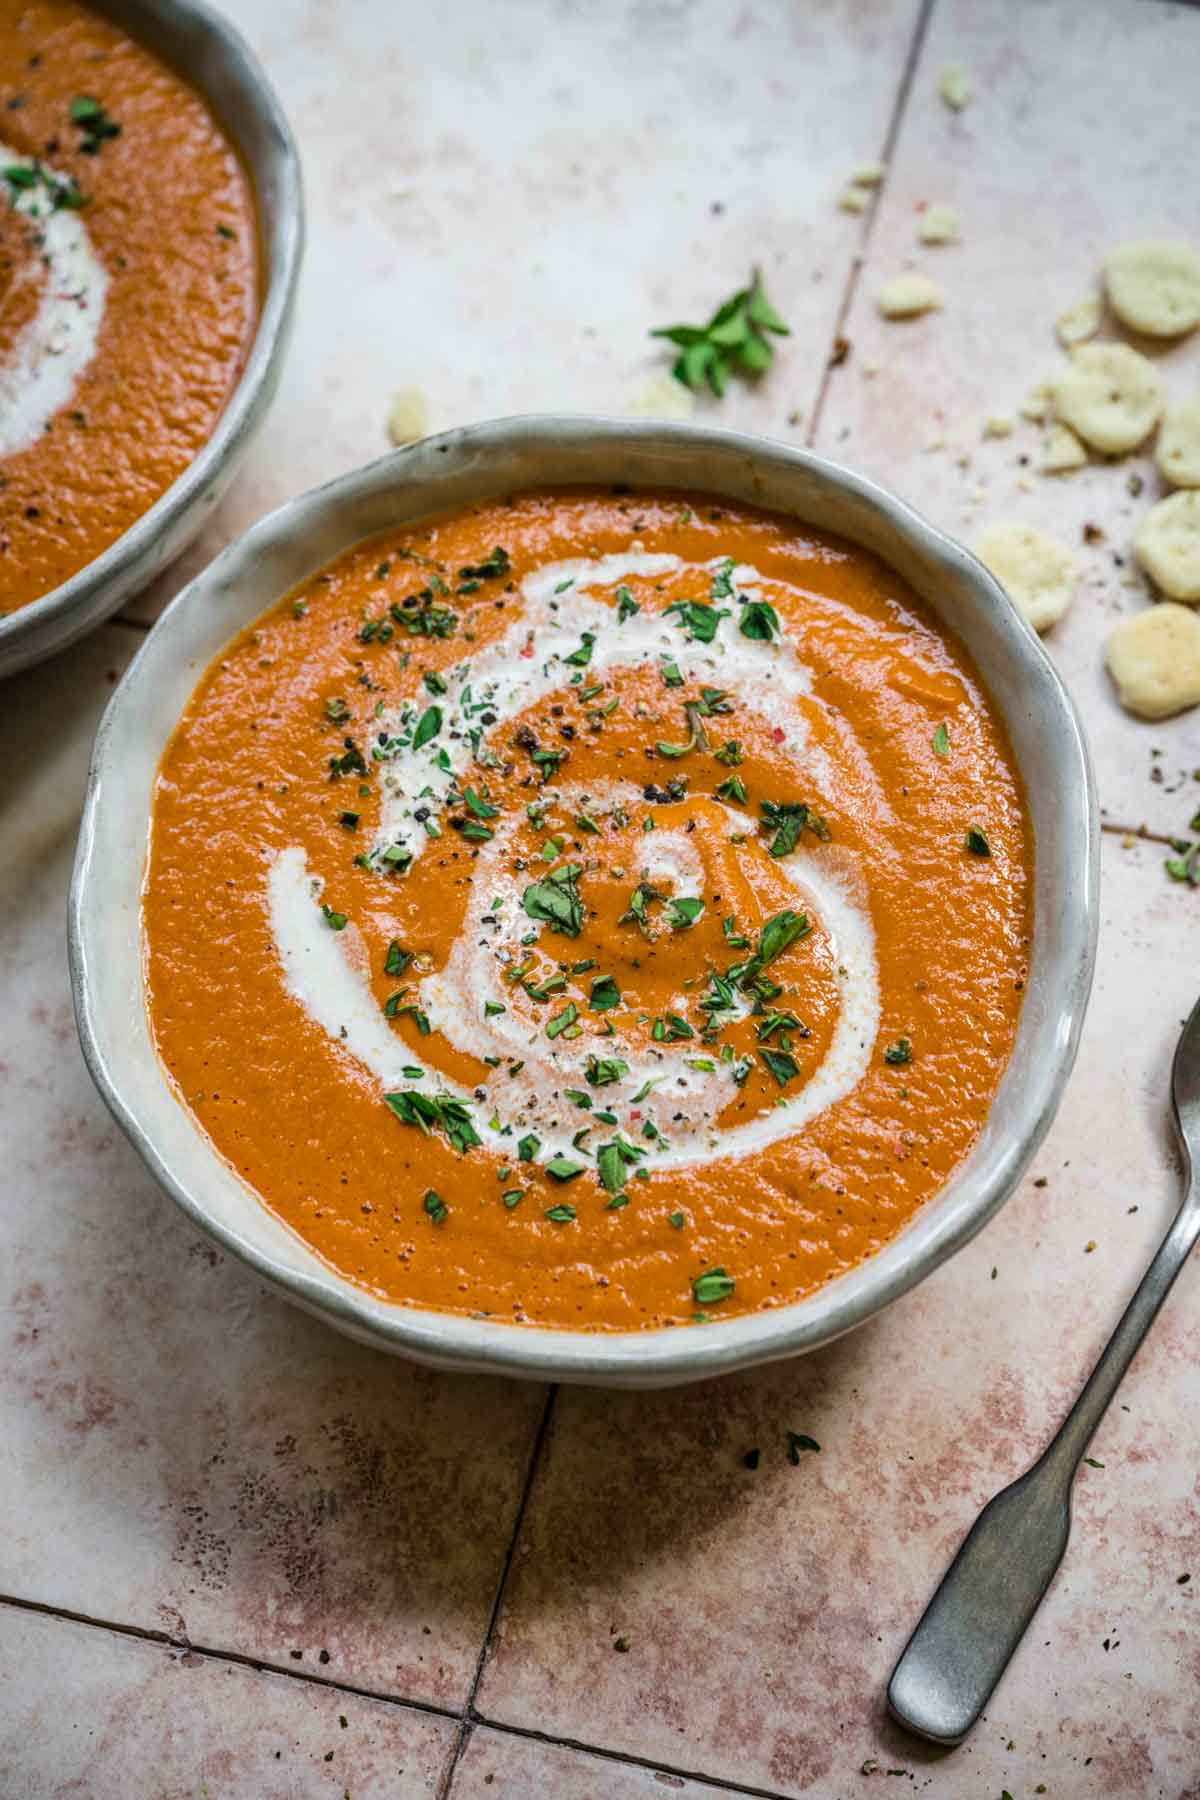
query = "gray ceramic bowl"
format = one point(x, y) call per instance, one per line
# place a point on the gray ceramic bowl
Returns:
point(197, 41)
point(475, 464)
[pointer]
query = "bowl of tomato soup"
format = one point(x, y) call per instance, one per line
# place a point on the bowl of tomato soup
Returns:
point(609, 901)
point(150, 236)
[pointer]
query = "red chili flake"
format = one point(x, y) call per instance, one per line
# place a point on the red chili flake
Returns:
point(779, 734)
point(525, 650)
point(636, 1113)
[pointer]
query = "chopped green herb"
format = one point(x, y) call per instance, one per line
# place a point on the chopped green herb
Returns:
point(428, 726)
point(941, 741)
point(528, 1147)
point(605, 994)
point(677, 1220)
point(786, 820)
point(436, 1207)
point(562, 1021)
point(562, 1214)
point(349, 820)
point(430, 1111)
point(684, 913)
point(759, 621)
point(798, 1441)
point(698, 619)
point(712, 1286)
point(612, 1160)
point(513, 1197)
point(492, 1009)
point(579, 659)
point(977, 844)
point(899, 1053)
point(555, 901)
point(397, 958)
point(336, 921)
point(626, 604)
point(602, 1071)
point(732, 789)
point(563, 1169)
point(782, 1065)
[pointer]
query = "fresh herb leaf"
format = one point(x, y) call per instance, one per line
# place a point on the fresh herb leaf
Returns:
point(734, 340)
point(798, 1441)
point(397, 958)
point(782, 1065)
point(786, 820)
point(732, 789)
point(563, 1169)
point(698, 619)
point(759, 621)
point(428, 726)
point(562, 1214)
point(941, 741)
point(605, 994)
point(336, 921)
point(436, 1207)
point(626, 604)
point(977, 844)
point(712, 1286)
point(555, 901)
point(684, 913)
point(602, 1071)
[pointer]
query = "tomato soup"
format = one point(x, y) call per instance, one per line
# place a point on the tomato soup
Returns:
point(128, 286)
point(595, 909)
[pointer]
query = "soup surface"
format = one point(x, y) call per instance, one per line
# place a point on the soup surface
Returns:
point(128, 284)
point(591, 909)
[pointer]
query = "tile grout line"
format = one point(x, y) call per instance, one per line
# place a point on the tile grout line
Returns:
point(468, 1712)
point(891, 138)
point(626, 1758)
point(165, 1641)
point(144, 1634)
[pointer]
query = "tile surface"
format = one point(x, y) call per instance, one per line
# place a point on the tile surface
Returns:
point(184, 1452)
point(763, 1608)
point(500, 216)
point(1045, 182)
point(92, 1715)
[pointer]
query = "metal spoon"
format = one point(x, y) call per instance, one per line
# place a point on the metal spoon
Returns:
point(995, 1584)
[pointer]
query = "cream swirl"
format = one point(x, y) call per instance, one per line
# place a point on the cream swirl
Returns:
point(53, 348)
point(538, 1081)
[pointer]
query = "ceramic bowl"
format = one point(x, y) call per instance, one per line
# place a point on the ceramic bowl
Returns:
point(479, 463)
point(192, 38)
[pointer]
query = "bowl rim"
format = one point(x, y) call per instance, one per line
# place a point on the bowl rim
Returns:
point(977, 1188)
point(95, 591)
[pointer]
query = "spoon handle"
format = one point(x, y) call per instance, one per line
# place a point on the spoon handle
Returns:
point(995, 1584)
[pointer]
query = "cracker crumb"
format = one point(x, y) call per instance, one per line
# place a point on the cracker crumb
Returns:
point(854, 199)
point(1078, 322)
point(906, 296)
point(939, 225)
point(1062, 452)
point(998, 425)
point(870, 368)
point(408, 418)
point(954, 87)
point(1038, 401)
point(869, 175)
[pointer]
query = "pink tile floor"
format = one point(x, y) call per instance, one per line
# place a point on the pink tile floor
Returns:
point(240, 1556)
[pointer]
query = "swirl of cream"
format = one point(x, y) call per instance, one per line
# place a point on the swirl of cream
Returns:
point(54, 347)
point(680, 1096)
